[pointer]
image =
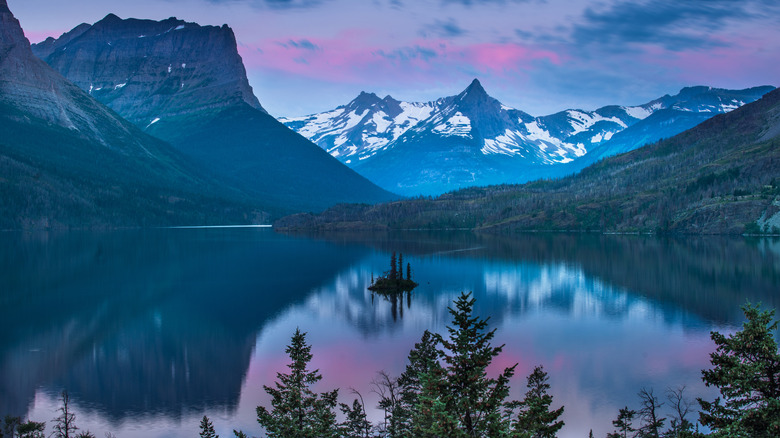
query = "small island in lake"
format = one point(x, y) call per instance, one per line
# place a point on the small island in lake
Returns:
point(393, 281)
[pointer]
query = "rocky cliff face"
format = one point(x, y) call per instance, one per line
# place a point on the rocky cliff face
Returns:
point(66, 160)
point(186, 84)
point(34, 89)
point(149, 71)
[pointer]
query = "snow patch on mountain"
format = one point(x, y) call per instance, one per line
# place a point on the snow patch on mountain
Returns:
point(457, 125)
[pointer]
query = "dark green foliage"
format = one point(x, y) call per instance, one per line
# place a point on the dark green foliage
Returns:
point(476, 403)
point(421, 378)
point(356, 424)
point(31, 429)
point(88, 434)
point(746, 370)
point(10, 423)
point(536, 420)
point(296, 410)
point(623, 424)
point(65, 424)
point(207, 429)
point(239, 434)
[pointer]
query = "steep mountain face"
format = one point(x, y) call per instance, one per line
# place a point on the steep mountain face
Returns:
point(472, 139)
point(719, 177)
point(149, 71)
point(68, 161)
point(187, 85)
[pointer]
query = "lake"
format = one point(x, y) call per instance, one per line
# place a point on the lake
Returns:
point(149, 330)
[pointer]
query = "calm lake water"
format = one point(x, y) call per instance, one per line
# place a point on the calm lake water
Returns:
point(150, 330)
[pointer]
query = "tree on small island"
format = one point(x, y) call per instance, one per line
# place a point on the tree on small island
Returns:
point(393, 281)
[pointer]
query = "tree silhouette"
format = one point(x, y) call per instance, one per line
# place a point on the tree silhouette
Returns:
point(296, 410)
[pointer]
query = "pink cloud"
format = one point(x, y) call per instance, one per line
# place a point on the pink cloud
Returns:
point(352, 57)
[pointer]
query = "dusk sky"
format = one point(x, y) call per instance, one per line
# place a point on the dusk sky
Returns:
point(541, 56)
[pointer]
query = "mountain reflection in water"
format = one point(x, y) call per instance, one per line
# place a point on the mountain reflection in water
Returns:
point(149, 330)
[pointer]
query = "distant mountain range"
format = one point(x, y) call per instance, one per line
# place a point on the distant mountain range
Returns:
point(720, 177)
point(473, 139)
point(186, 84)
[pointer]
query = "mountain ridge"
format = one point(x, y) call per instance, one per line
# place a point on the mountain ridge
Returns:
point(719, 177)
point(515, 147)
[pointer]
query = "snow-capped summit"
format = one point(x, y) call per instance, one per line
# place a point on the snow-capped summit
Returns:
point(473, 139)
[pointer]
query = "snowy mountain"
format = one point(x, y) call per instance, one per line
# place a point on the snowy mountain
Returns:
point(473, 139)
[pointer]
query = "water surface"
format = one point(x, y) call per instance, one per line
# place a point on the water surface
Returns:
point(150, 330)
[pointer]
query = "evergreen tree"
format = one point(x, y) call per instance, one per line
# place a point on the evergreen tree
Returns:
point(423, 361)
point(10, 423)
point(393, 268)
point(297, 412)
point(623, 424)
point(356, 424)
point(400, 266)
point(536, 420)
point(652, 424)
point(31, 429)
point(746, 370)
point(476, 402)
point(207, 429)
point(65, 424)
point(408, 271)
point(239, 434)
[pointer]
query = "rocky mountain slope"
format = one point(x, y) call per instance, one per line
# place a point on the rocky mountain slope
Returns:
point(68, 161)
point(186, 84)
point(720, 177)
point(473, 139)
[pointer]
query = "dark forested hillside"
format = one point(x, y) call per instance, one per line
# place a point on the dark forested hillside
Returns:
point(721, 177)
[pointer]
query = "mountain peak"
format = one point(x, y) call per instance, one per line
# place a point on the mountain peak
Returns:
point(364, 101)
point(475, 87)
point(109, 17)
point(11, 33)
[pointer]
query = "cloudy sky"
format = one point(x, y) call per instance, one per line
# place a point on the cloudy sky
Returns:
point(541, 56)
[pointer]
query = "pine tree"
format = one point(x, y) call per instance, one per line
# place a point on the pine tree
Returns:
point(476, 402)
point(746, 370)
point(423, 360)
point(400, 266)
point(536, 420)
point(207, 429)
point(408, 271)
point(356, 424)
point(623, 424)
point(10, 425)
point(393, 268)
point(296, 410)
point(31, 429)
point(65, 424)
